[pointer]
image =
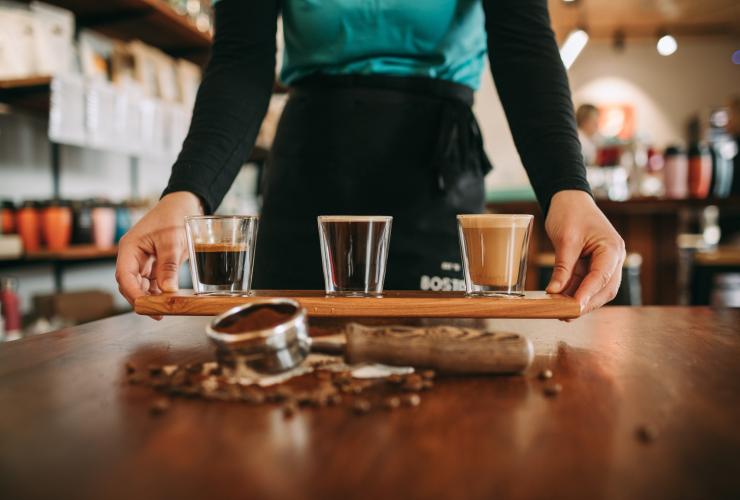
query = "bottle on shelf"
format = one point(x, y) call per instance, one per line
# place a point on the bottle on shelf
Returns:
point(57, 225)
point(28, 226)
point(104, 225)
point(11, 308)
point(700, 170)
point(82, 233)
point(123, 220)
point(7, 217)
point(675, 173)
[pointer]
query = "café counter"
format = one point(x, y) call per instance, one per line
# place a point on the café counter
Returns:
point(648, 407)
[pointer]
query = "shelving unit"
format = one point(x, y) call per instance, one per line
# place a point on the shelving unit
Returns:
point(153, 22)
point(72, 256)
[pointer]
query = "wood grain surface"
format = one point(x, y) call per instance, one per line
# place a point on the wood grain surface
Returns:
point(70, 427)
point(393, 304)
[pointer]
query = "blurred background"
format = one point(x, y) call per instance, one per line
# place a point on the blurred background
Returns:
point(96, 96)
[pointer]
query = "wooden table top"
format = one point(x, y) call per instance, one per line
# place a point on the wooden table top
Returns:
point(70, 427)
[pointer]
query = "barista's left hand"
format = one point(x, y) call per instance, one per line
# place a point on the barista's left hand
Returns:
point(589, 252)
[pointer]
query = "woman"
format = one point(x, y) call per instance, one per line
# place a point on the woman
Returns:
point(379, 121)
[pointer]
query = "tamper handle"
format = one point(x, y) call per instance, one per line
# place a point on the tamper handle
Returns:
point(446, 349)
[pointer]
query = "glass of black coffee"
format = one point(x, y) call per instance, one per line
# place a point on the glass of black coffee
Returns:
point(221, 250)
point(354, 250)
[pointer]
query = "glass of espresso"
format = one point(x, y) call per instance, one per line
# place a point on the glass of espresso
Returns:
point(354, 250)
point(494, 251)
point(221, 250)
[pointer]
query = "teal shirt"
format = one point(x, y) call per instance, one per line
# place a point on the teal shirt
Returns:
point(433, 38)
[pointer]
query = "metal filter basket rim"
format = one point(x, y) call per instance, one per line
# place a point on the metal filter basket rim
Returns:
point(276, 338)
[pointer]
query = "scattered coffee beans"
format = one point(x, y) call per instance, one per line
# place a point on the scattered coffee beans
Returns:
point(289, 409)
point(392, 402)
point(552, 390)
point(320, 388)
point(413, 382)
point(545, 375)
point(362, 406)
point(160, 406)
point(411, 400)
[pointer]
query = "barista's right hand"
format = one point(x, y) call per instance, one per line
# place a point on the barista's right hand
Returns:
point(150, 253)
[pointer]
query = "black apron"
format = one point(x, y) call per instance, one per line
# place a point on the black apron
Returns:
point(372, 145)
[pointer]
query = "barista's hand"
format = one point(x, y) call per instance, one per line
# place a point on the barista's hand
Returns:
point(589, 252)
point(150, 253)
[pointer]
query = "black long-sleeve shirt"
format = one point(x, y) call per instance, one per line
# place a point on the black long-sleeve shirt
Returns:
point(238, 81)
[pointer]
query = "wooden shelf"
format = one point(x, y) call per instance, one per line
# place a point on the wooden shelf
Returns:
point(151, 21)
point(647, 206)
point(726, 256)
point(27, 93)
point(73, 254)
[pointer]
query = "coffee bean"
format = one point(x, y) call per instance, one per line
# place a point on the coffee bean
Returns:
point(552, 390)
point(426, 385)
point(130, 368)
point(545, 375)
point(289, 409)
point(413, 383)
point(342, 377)
point(252, 396)
point(155, 370)
point(160, 406)
point(361, 406)
point(391, 403)
point(646, 434)
point(411, 400)
point(169, 369)
point(209, 368)
point(428, 374)
point(194, 368)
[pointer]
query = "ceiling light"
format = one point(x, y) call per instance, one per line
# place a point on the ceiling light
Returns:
point(573, 45)
point(666, 45)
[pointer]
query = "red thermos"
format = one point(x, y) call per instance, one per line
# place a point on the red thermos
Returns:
point(28, 223)
point(11, 306)
point(700, 171)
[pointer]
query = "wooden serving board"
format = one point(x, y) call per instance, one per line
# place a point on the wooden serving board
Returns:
point(391, 304)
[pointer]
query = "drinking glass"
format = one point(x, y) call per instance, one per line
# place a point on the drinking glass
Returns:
point(494, 252)
point(354, 250)
point(221, 253)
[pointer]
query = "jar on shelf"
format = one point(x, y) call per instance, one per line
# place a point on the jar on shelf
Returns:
point(104, 225)
point(11, 308)
point(123, 220)
point(700, 170)
point(40, 208)
point(675, 173)
point(7, 217)
point(28, 226)
point(82, 232)
point(57, 225)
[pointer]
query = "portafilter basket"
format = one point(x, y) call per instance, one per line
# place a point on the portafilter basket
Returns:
point(277, 348)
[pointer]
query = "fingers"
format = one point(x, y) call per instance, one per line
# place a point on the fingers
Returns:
point(567, 253)
point(128, 276)
point(167, 266)
point(606, 261)
point(607, 294)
